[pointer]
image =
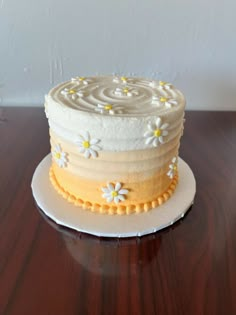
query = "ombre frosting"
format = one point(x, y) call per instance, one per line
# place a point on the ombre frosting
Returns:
point(111, 132)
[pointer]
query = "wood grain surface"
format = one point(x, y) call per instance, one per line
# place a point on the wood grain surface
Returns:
point(187, 269)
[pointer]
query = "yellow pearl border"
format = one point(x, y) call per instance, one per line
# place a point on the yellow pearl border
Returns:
point(114, 209)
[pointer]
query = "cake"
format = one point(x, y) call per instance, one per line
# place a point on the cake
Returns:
point(115, 142)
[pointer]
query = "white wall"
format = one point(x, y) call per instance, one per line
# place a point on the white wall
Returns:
point(191, 43)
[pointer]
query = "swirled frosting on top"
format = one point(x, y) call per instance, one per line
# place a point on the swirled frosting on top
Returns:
point(120, 96)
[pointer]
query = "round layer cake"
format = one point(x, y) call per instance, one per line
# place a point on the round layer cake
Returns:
point(115, 142)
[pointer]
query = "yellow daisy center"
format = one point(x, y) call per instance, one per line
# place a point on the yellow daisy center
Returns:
point(175, 167)
point(114, 193)
point(124, 79)
point(71, 91)
point(157, 133)
point(162, 83)
point(125, 90)
point(86, 144)
point(163, 99)
point(81, 78)
point(108, 106)
point(58, 155)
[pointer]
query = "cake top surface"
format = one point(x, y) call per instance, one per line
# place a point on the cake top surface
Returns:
point(119, 96)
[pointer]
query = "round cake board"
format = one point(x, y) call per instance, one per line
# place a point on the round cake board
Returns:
point(69, 215)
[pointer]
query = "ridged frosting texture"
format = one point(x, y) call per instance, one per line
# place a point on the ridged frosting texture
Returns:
point(108, 132)
point(126, 166)
point(132, 207)
point(69, 116)
point(132, 97)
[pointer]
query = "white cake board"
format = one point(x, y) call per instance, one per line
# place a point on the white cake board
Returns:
point(69, 215)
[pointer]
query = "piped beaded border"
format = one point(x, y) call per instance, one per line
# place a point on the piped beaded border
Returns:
point(114, 209)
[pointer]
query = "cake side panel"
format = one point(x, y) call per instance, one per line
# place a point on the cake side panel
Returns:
point(115, 161)
point(126, 166)
point(143, 173)
point(113, 133)
point(125, 207)
point(138, 191)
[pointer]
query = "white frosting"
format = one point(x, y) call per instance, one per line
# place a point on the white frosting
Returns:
point(119, 136)
point(103, 90)
point(120, 130)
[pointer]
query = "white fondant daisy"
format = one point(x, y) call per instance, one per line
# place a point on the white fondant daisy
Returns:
point(173, 167)
point(125, 91)
point(165, 85)
point(160, 84)
point(73, 93)
point(156, 132)
point(109, 109)
point(166, 101)
point(59, 156)
point(81, 80)
point(114, 193)
point(122, 80)
point(88, 146)
point(155, 100)
point(153, 84)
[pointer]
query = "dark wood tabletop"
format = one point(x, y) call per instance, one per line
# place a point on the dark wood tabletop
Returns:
point(186, 269)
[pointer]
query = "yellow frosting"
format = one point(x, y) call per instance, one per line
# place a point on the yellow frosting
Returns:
point(126, 207)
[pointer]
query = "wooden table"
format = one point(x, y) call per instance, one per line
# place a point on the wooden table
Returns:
point(189, 268)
